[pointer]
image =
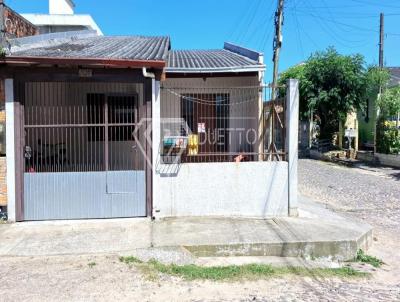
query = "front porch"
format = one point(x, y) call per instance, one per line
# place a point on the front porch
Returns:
point(219, 149)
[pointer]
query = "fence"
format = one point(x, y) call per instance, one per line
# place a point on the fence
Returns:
point(221, 124)
point(80, 127)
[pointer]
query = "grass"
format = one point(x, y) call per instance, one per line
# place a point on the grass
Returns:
point(130, 260)
point(236, 272)
point(364, 258)
point(92, 264)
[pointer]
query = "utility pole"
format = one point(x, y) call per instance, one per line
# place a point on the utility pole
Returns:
point(381, 40)
point(381, 64)
point(277, 45)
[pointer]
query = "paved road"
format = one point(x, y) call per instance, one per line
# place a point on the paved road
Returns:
point(371, 194)
point(368, 193)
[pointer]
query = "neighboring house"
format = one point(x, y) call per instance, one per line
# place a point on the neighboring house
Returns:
point(12, 25)
point(62, 18)
point(367, 119)
point(103, 127)
point(394, 76)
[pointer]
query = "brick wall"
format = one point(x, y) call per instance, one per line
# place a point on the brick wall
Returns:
point(15, 26)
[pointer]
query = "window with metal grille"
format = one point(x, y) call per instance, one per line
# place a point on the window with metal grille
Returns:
point(118, 112)
point(207, 114)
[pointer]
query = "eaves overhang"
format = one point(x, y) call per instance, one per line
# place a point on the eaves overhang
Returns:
point(230, 69)
point(98, 62)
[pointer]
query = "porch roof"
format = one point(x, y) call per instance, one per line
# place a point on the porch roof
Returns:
point(86, 46)
point(231, 58)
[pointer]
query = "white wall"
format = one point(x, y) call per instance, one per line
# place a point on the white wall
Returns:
point(10, 149)
point(61, 7)
point(246, 189)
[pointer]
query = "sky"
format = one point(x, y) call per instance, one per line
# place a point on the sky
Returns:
point(351, 26)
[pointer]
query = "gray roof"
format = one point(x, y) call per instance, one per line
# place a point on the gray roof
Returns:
point(92, 46)
point(394, 76)
point(88, 45)
point(231, 58)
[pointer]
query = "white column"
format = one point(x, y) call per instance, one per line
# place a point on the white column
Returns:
point(10, 148)
point(156, 138)
point(292, 142)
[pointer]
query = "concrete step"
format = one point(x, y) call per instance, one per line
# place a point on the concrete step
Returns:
point(317, 233)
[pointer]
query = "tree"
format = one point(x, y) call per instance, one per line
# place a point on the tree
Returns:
point(331, 86)
point(388, 135)
point(389, 102)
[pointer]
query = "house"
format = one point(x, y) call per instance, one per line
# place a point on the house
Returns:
point(62, 18)
point(126, 126)
point(367, 119)
point(12, 25)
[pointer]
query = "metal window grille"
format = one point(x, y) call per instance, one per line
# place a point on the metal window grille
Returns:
point(73, 127)
point(231, 124)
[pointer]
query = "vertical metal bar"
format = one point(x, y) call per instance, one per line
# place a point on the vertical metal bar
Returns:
point(106, 133)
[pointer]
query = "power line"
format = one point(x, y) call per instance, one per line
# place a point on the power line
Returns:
point(337, 37)
point(380, 4)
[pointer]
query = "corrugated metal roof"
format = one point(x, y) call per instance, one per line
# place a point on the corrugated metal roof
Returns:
point(394, 76)
point(88, 45)
point(102, 47)
point(208, 60)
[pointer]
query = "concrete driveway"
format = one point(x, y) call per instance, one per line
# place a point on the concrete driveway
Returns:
point(316, 233)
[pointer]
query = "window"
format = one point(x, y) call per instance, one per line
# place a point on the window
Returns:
point(121, 113)
point(208, 116)
point(95, 112)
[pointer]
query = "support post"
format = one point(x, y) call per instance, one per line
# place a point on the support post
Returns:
point(10, 150)
point(156, 141)
point(261, 116)
point(292, 142)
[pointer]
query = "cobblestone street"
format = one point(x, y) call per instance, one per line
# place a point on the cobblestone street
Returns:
point(366, 193)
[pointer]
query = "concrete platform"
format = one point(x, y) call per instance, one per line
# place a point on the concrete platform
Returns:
point(317, 233)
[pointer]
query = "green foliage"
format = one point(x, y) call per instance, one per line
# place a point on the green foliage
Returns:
point(361, 257)
point(92, 264)
point(130, 260)
point(376, 78)
point(388, 138)
point(241, 272)
point(389, 102)
point(297, 72)
point(332, 85)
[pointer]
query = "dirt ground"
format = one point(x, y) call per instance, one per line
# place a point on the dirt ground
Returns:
point(367, 194)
